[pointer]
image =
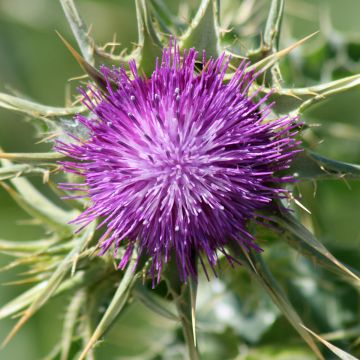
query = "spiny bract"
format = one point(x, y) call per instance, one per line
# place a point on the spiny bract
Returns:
point(177, 163)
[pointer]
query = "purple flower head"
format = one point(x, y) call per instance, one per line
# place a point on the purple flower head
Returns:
point(176, 164)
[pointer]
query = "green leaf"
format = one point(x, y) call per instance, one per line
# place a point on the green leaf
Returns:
point(14, 171)
point(306, 243)
point(37, 110)
point(117, 303)
point(37, 205)
point(203, 32)
point(146, 297)
point(309, 165)
point(260, 272)
point(150, 46)
point(79, 29)
point(300, 99)
point(326, 90)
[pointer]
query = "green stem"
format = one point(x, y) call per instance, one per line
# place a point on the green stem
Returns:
point(273, 24)
point(272, 34)
point(189, 338)
point(184, 295)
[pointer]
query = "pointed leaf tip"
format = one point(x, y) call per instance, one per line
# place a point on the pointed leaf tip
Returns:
point(269, 61)
point(88, 68)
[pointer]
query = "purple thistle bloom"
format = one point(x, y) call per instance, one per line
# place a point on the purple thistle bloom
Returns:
point(177, 164)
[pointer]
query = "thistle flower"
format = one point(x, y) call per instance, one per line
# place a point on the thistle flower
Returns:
point(178, 163)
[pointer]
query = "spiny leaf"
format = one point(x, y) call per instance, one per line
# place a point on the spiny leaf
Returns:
point(343, 355)
point(37, 110)
point(37, 205)
point(150, 46)
point(333, 88)
point(79, 29)
point(301, 99)
point(13, 171)
point(52, 285)
point(259, 271)
point(309, 165)
point(203, 32)
point(116, 305)
point(305, 242)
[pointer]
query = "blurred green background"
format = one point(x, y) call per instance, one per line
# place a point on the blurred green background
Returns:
point(34, 63)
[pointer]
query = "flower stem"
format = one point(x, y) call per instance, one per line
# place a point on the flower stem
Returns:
point(189, 338)
point(184, 295)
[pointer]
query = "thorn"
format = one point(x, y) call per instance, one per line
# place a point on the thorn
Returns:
point(291, 93)
point(79, 77)
point(298, 203)
point(50, 137)
point(89, 69)
point(343, 178)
